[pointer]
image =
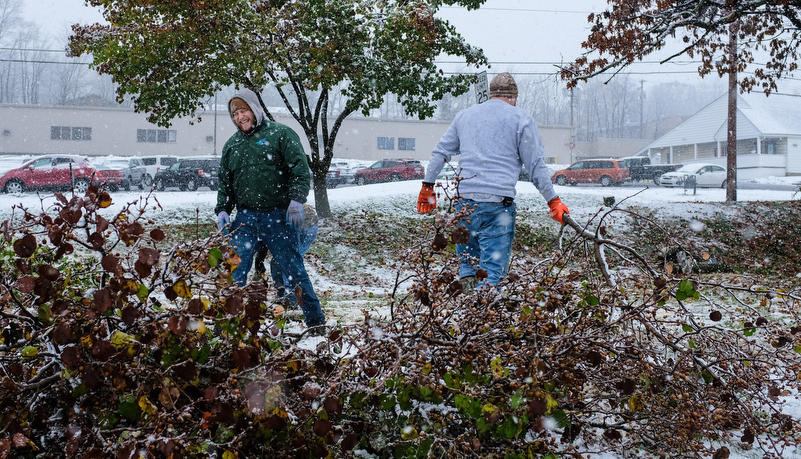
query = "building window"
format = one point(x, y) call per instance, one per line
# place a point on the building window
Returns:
point(70, 133)
point(386, 143)
point(156, 135)
point(6, 133)
point(405, 143)
point(770, 147)
point(209, 138)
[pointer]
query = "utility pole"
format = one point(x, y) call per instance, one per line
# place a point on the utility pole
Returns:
point(572, 128)
point(731, 139)
point(642, 96)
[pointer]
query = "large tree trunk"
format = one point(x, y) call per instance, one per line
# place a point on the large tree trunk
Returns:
point(731, 140)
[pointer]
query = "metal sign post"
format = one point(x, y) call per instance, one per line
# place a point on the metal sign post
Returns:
point(482, 87)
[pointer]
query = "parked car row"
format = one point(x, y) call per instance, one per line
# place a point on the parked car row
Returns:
point(390, 170)
point(616, 172)
point(189, 174)
point(57, 173)
point(65, 172)
point(604, 171)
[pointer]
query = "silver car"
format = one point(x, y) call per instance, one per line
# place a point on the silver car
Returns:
point(132, 169)
point(706, 175)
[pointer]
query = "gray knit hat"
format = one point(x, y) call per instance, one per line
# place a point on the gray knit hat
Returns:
point(503, 85)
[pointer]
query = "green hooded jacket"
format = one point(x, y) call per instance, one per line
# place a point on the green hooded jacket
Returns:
point(264, 169)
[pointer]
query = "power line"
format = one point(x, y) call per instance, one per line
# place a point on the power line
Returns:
point(26, 61)
point(35, 50)
point(524, 10)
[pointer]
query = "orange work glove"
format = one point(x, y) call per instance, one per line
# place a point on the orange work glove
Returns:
point(557, 209)
point(427, 200)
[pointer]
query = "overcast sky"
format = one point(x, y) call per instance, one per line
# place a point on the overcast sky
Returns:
point(519, 36)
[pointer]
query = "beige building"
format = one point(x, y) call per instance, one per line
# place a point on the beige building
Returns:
point(95, 131)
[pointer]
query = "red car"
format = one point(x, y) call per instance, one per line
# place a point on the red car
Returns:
point(111, 178)
point(391, 170)
point(51, 172)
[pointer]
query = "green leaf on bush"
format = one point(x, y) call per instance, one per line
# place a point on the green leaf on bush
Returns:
point(686, 290)
point(508, 428)
point(687, 328)
point(387, 401)
point(797, 349)
point(201, 355)
point(358, 400)
point(142, 293)
point(107, 421)
point(128, 408)
point(561, 419)
point(749, 331)
point(516, 400)
point(80, 391)
point(29, 351)
point(591, 300)
point(708, 378)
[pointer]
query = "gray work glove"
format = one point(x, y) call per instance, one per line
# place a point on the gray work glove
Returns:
point(295, 215)
point(223, 220)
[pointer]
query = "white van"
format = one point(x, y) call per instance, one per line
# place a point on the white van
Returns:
point(155, 164)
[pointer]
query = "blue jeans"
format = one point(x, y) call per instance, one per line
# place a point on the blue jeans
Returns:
point(492, 230)
point(251, 230)
point(277, 274)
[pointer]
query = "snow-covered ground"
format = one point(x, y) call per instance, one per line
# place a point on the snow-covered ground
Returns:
point(400, 199)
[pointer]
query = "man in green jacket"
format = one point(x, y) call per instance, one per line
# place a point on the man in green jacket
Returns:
point(264, 175)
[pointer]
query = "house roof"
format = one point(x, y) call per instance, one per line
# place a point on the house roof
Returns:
point(778, 115)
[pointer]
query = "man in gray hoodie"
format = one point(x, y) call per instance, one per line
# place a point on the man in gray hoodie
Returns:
point(495, 139)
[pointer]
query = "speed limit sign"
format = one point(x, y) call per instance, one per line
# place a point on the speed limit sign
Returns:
point(482, 87)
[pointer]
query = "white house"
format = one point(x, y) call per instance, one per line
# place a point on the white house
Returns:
point(768, 136)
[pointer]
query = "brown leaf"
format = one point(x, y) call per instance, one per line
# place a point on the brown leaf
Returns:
point(186, 370)
point(321, 427)
point(103, 350)
point(195, 306)
point(245, 358)
point(142, 270)
point(55, 234)
point(25, 246)
point(157, 234)
point(349, 442)
point(310, 390)
point(19, 440)
point(253, 310)
point(102, 300)
point(178, 325)
point(440, 242)
point(722, 453)
point(25, 284)
point(102, 224)
point(233, 305)
point(130, 314)
point(62, 334)
point(149, 256)
point(64, 249)
point(71, 215)
point(71, 356)
point(460, 235)
point(96, 240)
point(49, 272)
